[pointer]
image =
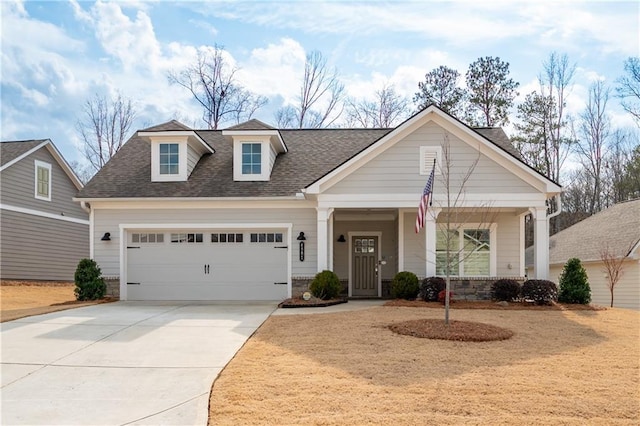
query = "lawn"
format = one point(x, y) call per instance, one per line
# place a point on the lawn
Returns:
point(19, 299)
point(560, 367)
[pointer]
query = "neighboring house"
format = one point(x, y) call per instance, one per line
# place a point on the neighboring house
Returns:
point(253, 213)
point(43, 232)
point(616, 228)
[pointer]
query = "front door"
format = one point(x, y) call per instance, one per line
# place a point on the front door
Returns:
point(364, 275)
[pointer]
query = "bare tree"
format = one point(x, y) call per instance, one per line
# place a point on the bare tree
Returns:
point(613, 261)
point(594, 129)
point(103, 127)
point(320, 100)
point(543, 136)
point(386, 110)
point(212, 82)
point(457, 220)
point(628, 88)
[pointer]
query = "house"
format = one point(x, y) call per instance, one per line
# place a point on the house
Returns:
point(253, 212)
point(616, 229)
point(43, 232)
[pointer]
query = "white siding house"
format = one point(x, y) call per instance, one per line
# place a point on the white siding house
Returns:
point(296, 202)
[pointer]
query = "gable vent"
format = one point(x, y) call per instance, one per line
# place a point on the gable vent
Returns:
point(427, 155)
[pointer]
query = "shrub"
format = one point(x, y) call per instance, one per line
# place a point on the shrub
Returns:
point(505, 290)
point(442, 297)
point(325, 285)
point(542, 292)
point(574, 283)
point(430, 288)
point(404, 286)
point(89, 282)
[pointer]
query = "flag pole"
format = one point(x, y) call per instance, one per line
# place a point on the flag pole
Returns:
point(432, 185)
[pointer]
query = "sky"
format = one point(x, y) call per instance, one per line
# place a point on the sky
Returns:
point(58, 54)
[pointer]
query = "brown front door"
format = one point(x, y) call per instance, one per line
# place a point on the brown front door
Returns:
point(364, 266)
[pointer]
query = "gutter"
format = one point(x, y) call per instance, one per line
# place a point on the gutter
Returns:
point(557, 212)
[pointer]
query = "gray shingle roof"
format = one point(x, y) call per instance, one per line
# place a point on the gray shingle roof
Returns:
point(312, 153)
point(168, 126)
point(252, 124)
point(11, 150)
point(500, 138)
point(618, 226)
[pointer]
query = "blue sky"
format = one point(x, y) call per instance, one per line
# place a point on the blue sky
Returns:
point(57, 54)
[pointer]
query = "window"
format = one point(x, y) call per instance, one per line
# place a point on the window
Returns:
point(147, 238)
point(43, 180)
point(169, 158)
point(469, 250)
point(266, 237)
point(226, 238)
point(251, 158)
point(187, 238)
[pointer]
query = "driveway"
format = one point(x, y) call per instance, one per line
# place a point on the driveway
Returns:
point(143, 363)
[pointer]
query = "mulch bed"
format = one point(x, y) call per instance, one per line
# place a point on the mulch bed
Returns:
point(486, 304)
point(313, 302)
point(464, 331)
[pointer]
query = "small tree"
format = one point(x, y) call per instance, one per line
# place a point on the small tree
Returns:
point(574, 283)
point(89, 282)
point(613, 266)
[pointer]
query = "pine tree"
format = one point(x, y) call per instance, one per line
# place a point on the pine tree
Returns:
point(574, 283)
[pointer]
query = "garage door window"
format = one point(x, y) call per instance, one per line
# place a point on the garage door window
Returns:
point(226, 238)
point(147, 238)
point(266, 237)
point(186, 238)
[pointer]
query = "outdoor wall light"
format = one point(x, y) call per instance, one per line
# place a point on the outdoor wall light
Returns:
point(106, 237)
point(301, 236)
point(341, 239)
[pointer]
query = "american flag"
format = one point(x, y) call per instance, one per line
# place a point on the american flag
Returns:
point(424, 200)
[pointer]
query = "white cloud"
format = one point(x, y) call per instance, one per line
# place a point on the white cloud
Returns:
point(275, 70)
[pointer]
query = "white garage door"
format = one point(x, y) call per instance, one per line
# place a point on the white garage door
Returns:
point(207, 265)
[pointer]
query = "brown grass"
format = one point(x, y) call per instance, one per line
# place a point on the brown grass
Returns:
point(560, 367)
point(19, 299)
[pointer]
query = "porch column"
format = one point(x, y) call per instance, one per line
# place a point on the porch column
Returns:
point(541, 243)
point(430, 236)
point(323, 234)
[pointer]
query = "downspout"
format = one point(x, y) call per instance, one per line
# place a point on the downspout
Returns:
point(557, 212)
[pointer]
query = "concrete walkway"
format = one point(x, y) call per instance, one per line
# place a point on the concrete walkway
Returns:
point(121, 363)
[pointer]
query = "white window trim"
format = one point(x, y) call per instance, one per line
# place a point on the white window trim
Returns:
point(493, 249)
point(47, 166)
point(426, 164)
point(155, 161)
point(265, 168)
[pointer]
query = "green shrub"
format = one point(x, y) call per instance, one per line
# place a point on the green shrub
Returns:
point(543, 292)
point(325, 285)
point(505, 290)
point(430, 288)
point(404, 286)
point(574, 284)
point(89, 282)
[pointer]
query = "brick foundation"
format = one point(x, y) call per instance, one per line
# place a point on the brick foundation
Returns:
point(113, 286)
point(476, 288)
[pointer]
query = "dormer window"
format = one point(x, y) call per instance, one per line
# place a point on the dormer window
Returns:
point(251, 158)
point(169, 158)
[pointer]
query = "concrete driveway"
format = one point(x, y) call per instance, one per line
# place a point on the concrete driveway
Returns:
point(121, 363)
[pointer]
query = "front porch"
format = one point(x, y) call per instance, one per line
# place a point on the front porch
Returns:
point(366, 247)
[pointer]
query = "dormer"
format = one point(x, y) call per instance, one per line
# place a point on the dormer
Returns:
point(175, 151)
point(255, 148)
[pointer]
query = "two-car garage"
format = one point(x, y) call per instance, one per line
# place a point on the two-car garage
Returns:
point(207, 264)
